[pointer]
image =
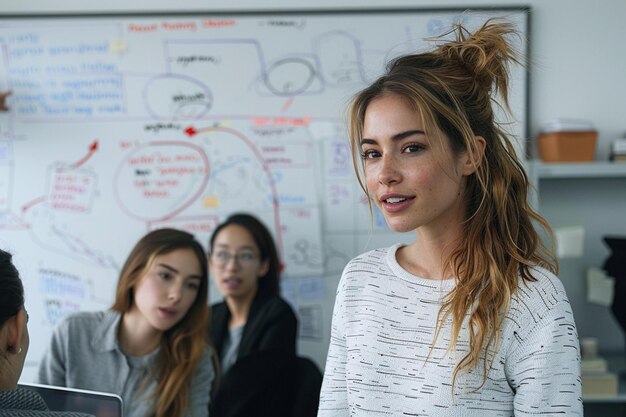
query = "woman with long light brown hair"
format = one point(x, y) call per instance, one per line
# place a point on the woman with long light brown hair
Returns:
point(152, 347)
point(469, 319)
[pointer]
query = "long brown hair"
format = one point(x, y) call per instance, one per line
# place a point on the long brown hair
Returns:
point(452, 88)
point(182, 346)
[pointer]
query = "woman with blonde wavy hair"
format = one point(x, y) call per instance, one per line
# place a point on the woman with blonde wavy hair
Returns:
point(152, 347)
point(469, 319)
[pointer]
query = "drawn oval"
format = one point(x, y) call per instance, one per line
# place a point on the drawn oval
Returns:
point(340, 59)
point(158, 180)
point(177, 96)
point(290, 76)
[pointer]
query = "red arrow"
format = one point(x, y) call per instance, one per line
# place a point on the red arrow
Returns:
point(92, 149)
point(190, 131)
point(33, 202)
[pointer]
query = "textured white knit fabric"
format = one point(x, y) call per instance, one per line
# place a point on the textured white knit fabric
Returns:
point(380, 360)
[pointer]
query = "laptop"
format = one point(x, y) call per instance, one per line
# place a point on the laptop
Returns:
point(100, 404)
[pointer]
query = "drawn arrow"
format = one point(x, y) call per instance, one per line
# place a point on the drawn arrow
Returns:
point(264, 167)
point(34, 202)
point(92, 149)
point(190, 131)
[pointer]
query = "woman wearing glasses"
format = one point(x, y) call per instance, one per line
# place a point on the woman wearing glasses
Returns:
point(253, 329)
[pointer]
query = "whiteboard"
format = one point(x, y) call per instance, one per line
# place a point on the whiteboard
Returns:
point(121, 124)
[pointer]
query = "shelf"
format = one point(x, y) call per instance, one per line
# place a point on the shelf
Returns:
point(619, 399)
point(544, 170)
point(538, 170)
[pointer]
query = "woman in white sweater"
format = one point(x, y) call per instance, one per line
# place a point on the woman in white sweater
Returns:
point(469, 319)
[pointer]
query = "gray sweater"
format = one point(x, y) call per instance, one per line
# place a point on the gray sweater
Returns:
point(84, 353)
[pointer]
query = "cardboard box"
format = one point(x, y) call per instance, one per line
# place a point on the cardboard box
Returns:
point(568, 146)
point(603, 384)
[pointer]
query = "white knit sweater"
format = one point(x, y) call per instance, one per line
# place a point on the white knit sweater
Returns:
point(380, 361)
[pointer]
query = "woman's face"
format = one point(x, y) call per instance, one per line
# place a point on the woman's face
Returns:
point(25, 343)
point(413, 183)
point(235, 263)
point(20, 344)
point(164, 294)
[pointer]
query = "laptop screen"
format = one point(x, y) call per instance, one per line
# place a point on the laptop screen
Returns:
point(99, 404)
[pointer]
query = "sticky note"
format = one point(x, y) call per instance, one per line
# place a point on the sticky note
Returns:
point(569, 241)
point(211, 201)
point(118, 46)
point(599, 287)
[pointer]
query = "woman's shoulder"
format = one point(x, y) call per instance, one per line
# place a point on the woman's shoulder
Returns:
point(87, 326)
point(543, 299)
point(546, 289)
point(372, 259)
point(275, 305)
point(86, 319)
point(373, 263)
point(217, 307)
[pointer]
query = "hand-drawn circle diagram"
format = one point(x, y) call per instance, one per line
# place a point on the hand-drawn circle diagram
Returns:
point(290, 76)
point(158, 180)
point(175, 95)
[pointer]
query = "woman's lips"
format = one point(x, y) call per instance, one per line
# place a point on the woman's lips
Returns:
point(232, 283)
point(395, 203)
point(167, 312)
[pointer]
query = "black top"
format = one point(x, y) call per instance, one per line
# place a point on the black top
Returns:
point(263, 379)
point(271, 324)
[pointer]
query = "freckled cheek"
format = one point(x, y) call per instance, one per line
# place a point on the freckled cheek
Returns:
point(371, 177)
point(424, 181)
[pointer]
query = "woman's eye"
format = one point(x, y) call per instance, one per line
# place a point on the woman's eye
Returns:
point(193, 285)
point(413, 147)
point(246, 256)
point(164, 275)
point(370, 154)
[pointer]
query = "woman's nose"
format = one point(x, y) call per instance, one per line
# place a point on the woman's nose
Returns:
point(232, 262)
point(388, 173)
point(175, 293)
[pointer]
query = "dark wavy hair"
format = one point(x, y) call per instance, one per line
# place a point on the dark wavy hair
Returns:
point(269, 283)
point(11, 288)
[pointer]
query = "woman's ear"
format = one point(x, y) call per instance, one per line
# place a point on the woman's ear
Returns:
point(264, 268)
point(474, 156)
point(15, 331)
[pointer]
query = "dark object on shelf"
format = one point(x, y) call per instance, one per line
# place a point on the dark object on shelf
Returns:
point(615, 266)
